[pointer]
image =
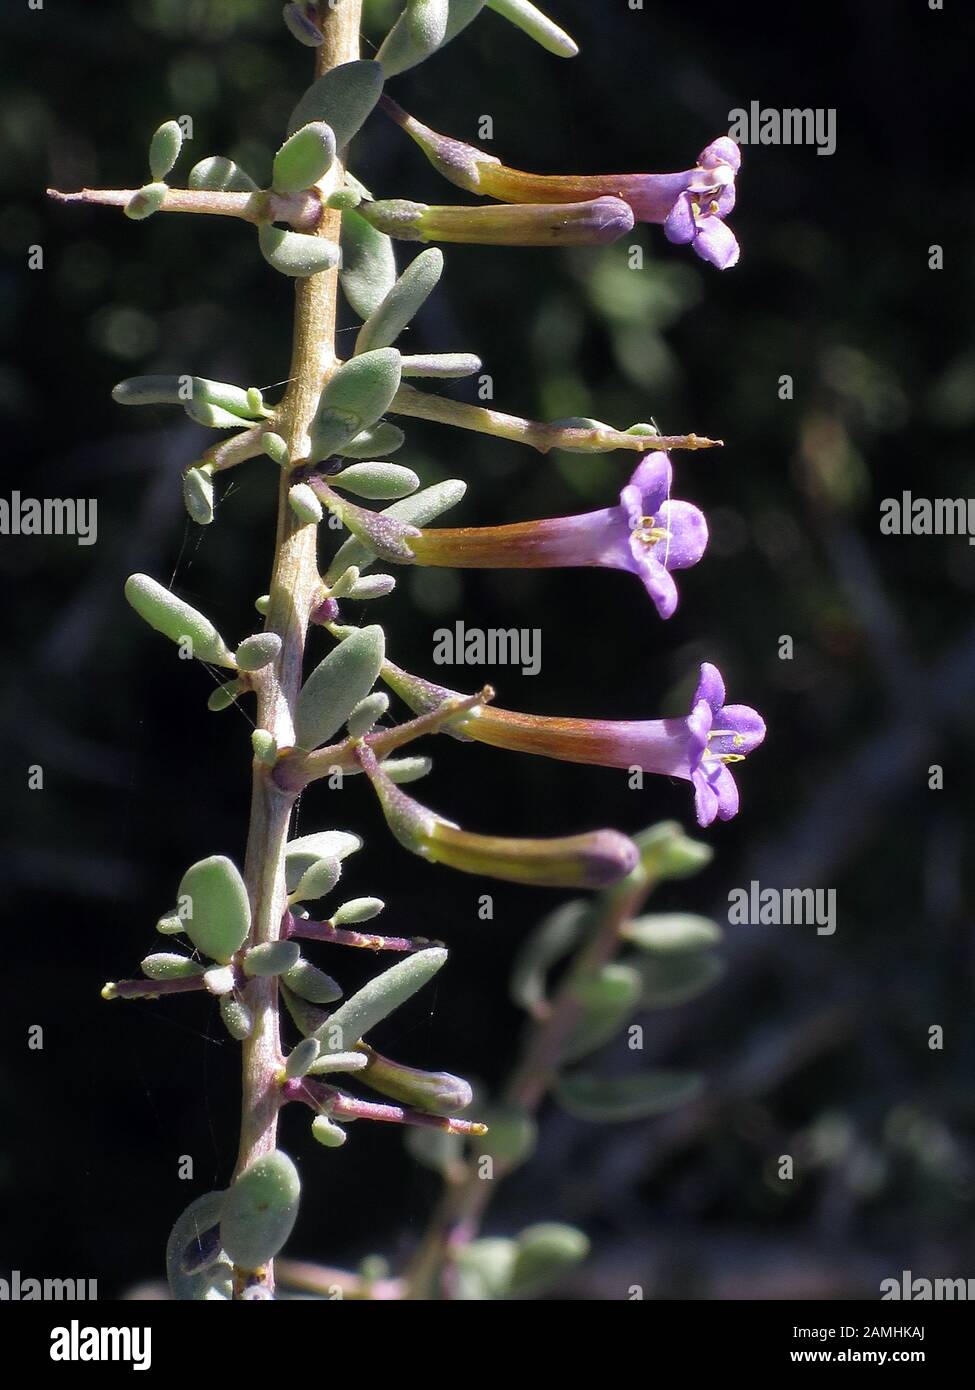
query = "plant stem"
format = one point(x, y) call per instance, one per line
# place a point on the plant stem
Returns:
point(294, 585)
point(466, 1196)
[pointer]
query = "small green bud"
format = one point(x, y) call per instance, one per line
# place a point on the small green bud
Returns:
point(166, 966)
point(436, 1093)
point(214, 417)
point(226, 695)
point(296, 253)
point(170, 925)
point(265, 747)
point(263, 603)
point(301, 1058)
point(259, 1211)
point(147, 201)
point(237, 1018)
point(512, 1135)
point(164, 149)
point(221, 916)
point(357, 910)
point(337, 1062)
point(666, 852)
point(327, 1132)
point(256, 652)
point(337, 685)
point(344, 199)
point(304, 158)
point(176, 620)
point(217, 174)
point(543, 1254)
point(198, 495)
point(219, 979)
point(305, 504)
point(308, 982)
point(276, 449)
point(372, 586)
point(271, 958)
point(345, 583)
point(379, 481)
point(366, 714)
point(403, 770)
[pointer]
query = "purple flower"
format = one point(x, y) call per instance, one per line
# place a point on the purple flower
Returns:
point(698, 748)
point(698, 213)
point(648, 533)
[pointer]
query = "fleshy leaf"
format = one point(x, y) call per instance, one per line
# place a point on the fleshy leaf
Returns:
point(271, 958)
point(611, 1099)
point(343, 97)
point(221, 914)
point(295, 253)
point(608, 1001)
point(164, 148)
point(403, 302)
point(353, 399)
point(419, 510)
point(311, 984)
point(336, 686)
point(377, 481)
point(162, 610)
point(218, 174)
point(671, 933)
point(304, 158)
point(531, 21)
point(378, 998)
point(674, 979)
point(368, 270)
point(419, 31)
point(196, 1265)
point(259, 1210)
point(543, 1254)
point(256, 652)
point(558, 934)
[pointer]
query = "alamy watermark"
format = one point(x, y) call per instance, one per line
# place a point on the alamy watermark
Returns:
point(765, 125)
point(756, 906)
point(493, 646)
point(908, 515)
point(50, 516)
point(913, 1290)
point(21, 1288)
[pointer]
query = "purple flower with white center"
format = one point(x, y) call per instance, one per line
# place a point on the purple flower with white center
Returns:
point(697, 216)
point(717, 735)
point(648, 533)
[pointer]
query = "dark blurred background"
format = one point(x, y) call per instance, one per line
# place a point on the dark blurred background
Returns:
point(813, 1046)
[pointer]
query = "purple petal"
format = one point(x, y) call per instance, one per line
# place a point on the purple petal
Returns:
point(726, 788)
point(705, 800)
point(699, 723)
point(688, 537)
point(710, 687)
point(657, 582)
point(720, 151)
point(716, 242)
point(650, 483)
point(680, 227)
point(746, 730)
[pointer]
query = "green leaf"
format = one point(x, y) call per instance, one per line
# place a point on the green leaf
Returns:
point(343, 97)
point(608, 1000)
point(609, 1099)
point(353, 399)
point(419, 31)
point(671, 933)
point(198, 495)
point(196, 1266)
point(317, 881)
point(221, 914)
point(301, 1058)
point(259, 1211)
point(304, 158)
point(512, 1135)
point(271, 958)
point(443, 365)
point(164, 149)
point(669, 980)
point(419, 510)
point(302, 852)
point(483, 1269)
point(176, 620)
point(165, 965)
point(379, 998)
point(403, 301)
point(301, 26)
point(336, 686)
point(667, 853)
point(217, 174)
point(357, 910)
point(256, 652)
point(434, 1148)
point(366, 714)
point(543, 1255)
point(377, 481)
point(327, 1132)
point(558, 934)
point(311, 984)
point(146, 201)
point(305, 504)
point(380, 438)
point(237, 1018)
point(531, 21)
point(404, 770)
point(368, 270)
point(295, 253)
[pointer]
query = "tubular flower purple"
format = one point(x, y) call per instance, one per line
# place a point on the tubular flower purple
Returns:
point(698, 748)
point(691, 204)
point(648, 533)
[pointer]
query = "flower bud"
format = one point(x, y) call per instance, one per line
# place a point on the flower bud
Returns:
point(436, 1093)
point(594, 223)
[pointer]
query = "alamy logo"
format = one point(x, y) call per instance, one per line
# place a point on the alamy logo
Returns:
point(50, 516)
point(908, 515)
point(756, 906)
point(926, 1290)
point(25, 1289)
point(764, 125)
point(493, 646)
point(77, 1343)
